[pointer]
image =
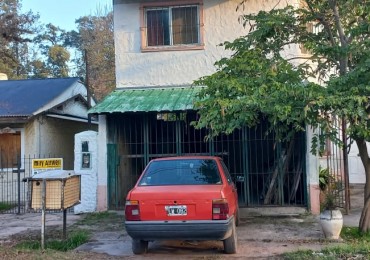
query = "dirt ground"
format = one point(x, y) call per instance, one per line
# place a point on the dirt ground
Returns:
point(258, 237)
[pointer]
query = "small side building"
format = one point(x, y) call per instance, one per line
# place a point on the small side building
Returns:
point(40, 117)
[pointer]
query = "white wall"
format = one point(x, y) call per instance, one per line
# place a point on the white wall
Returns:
point(102, 165)
point(47, 136)
point(168, 68)
point(89, 176)
point(355, 167)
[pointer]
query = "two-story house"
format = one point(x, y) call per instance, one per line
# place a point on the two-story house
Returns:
point(161, 48)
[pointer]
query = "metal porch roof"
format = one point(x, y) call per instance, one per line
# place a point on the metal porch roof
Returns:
point(147, 99)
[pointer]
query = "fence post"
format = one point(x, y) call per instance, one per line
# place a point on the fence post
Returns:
point(18, 171)
point(19, 188)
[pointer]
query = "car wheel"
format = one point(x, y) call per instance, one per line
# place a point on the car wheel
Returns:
point(230, 243)
point(139, 246)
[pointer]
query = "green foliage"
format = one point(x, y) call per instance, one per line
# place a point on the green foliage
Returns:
point(29, 49)
point(98, 217)
point(259, 80)
point(5, 206)
point(58, 58)
point(16, 32)
point(324, 178)
point(75, 239)
point(95, 42)
point(354, 246)
point(353, 235)
point(50, 40)
point(330, 189)
point(264, 79)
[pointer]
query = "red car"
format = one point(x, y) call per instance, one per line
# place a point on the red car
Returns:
point(183, 198)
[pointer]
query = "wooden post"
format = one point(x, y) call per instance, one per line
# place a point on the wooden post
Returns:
point(64, 224)
point(43, 202)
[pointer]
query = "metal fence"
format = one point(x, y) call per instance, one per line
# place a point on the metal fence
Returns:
point(265, 171)
point(13, 185)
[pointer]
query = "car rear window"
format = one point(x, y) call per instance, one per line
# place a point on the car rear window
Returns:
point(181, 172)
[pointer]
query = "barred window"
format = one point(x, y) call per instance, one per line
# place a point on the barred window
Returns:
point(172, 26)
point(311, 28)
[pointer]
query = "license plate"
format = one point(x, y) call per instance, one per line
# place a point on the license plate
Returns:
point(178, 210)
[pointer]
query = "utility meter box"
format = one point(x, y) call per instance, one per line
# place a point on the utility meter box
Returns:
point(61, 190)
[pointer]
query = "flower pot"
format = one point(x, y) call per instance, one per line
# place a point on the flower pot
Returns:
point(331, 223)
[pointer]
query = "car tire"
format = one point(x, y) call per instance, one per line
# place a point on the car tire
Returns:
point(230, 243)
point(139, 246)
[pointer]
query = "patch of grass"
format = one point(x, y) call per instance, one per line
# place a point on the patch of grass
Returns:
point(101, 221)
point(353, 234)
point(5, 206)
point(98, 217)
point(76, 239)
point(348, 251)
point(356, 246)
point(303, 255)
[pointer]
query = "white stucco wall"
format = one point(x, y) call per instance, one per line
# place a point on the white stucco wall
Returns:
point(355, 167)
point(71, 107)
point(89, 177)
point(312, 162)
point(168, 68)
point(102, 165)
point(46, 136)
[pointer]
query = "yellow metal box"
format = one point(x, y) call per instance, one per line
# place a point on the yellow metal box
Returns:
point(62, 190)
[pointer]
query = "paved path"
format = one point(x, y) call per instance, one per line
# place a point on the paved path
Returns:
point(11, 224)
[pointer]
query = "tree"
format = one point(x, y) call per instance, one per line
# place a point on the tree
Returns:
point(15, 32)
point(260, 80)
point(95, 43)
point(58, 57)
point(38, 69)
point(50, 42)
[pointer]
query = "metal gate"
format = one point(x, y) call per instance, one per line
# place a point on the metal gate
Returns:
point(13, 185)
point(332, 160)
point(266, 172)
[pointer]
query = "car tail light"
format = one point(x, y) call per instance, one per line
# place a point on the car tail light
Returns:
point(132, 210)
point(220, 209)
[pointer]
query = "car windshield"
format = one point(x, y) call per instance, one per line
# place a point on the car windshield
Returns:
point(181, 172)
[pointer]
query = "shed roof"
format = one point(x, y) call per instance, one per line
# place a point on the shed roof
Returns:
point(148, 99)
point(25, 97)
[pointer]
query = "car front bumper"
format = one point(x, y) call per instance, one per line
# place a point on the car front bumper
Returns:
point(180, 230)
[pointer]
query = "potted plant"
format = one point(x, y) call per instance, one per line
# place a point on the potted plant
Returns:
point(331, 217)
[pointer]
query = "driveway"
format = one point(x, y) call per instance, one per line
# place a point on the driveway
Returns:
point(258, 236)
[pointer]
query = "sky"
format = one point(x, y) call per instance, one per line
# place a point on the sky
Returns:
point(63, 13)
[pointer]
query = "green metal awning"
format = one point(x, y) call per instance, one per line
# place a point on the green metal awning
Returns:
point(147, 100)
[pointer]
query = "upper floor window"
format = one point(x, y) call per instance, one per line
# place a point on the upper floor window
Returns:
point(172, 27)
point(314, 29)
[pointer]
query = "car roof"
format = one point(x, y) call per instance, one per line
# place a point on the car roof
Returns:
point(204, 157)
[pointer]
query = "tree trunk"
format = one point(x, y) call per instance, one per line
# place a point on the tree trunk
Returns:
point(364, 224)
